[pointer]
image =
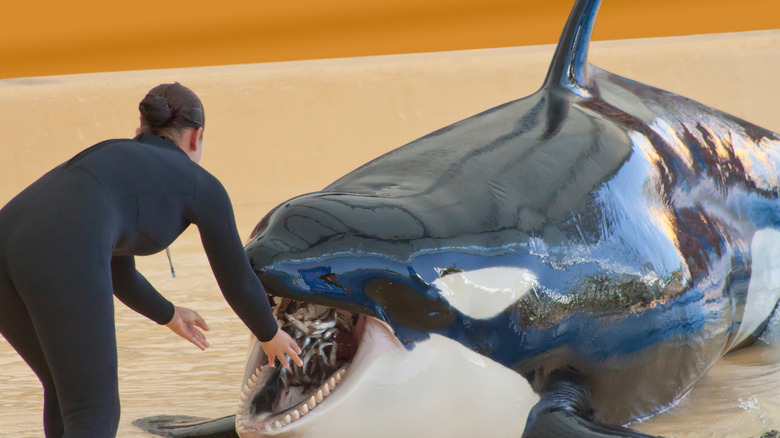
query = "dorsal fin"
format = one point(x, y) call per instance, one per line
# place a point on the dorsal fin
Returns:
point(569, 67)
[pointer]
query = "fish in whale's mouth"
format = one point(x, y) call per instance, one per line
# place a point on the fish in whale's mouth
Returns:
point(273, 398)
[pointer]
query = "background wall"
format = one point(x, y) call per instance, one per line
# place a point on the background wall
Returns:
point(48, 37)
point(276, 130)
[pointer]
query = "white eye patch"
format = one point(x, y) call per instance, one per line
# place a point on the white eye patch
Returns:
point(483, 293)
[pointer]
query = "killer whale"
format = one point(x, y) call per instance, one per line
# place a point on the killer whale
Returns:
point(604, 240)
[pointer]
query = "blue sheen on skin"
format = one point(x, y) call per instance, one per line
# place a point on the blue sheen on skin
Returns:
point(635, 210)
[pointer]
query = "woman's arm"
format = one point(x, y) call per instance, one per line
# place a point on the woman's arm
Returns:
point(137, 293)
point(242, 289)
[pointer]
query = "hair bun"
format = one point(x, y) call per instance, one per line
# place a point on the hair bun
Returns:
point(156, 111)
point(167, 109)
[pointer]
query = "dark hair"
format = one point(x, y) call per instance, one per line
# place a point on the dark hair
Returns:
point(170, 108)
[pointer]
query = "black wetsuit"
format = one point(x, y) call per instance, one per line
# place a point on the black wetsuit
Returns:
point(67, 242)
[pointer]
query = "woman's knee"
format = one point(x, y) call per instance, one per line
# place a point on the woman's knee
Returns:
point(52, 417)
point(93, 422)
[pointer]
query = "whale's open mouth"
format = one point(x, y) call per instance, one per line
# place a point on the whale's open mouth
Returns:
point(274, 397)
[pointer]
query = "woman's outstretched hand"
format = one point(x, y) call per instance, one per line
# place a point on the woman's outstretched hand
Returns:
point(282, 344)
point(184, 324)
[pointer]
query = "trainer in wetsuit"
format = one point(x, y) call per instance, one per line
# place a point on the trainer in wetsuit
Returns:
point(67, 243)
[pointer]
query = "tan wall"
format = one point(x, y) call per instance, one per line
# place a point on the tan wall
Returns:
point(50, 37)
point(280, 129)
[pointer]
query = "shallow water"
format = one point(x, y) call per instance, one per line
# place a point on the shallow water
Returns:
point(160, 373)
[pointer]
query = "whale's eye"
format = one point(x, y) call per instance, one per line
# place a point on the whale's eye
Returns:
point(406, 306)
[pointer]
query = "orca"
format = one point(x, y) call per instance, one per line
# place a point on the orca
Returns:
point(565, 264)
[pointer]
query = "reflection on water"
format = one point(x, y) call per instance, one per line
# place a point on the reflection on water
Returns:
point(739, 397)
point(160, 373)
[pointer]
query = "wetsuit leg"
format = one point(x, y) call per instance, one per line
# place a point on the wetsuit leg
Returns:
point(68, 295)
point(17, 328)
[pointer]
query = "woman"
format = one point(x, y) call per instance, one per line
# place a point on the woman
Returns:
point(68, 240)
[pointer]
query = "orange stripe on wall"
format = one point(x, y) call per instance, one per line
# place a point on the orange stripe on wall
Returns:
point(81, 36)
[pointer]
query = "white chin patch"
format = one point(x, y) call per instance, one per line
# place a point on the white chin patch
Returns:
point(764, 287)
point(484, 293)
point(438, 389)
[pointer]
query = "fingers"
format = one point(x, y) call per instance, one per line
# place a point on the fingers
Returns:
point(293, 352)
point(190, 333)
point(193, 317)
point(199, 339)
point(200, 344)
point(282, 347)
point(200, 322)
point(290, 351)
point(283, 360)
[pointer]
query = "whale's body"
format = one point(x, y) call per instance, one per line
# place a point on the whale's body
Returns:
point(598, 227)
point(603, 240)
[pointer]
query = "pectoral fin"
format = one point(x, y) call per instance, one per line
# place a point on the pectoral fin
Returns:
point(178, 426)
point(564, 410)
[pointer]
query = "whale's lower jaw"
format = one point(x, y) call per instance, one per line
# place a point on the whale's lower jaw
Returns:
point(438, 387)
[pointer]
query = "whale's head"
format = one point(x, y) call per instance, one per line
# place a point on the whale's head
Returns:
point(387, 348)
point(421, 262)
point(406, 281)
point(402, 279)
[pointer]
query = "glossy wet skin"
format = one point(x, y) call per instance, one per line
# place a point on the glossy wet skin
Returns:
point(599, 227)
point(629, 222)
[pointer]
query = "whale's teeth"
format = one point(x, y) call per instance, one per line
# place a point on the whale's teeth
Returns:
point(325, 390)
point(257, 372)
point(278, 424)
point(332, 383)
point(337, 376)
point(312, 402)
point(287, 419)
point(304, 409)
point(246, 389)
point(295, 414)
point(319, 396)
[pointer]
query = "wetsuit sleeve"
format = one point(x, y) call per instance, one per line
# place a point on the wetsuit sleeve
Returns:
point(213, 214)
point(137, 293)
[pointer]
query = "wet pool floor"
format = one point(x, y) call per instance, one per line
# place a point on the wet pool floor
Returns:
point(161, 374)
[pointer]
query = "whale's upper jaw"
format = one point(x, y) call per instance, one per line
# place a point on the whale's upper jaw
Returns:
point(411, 308)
